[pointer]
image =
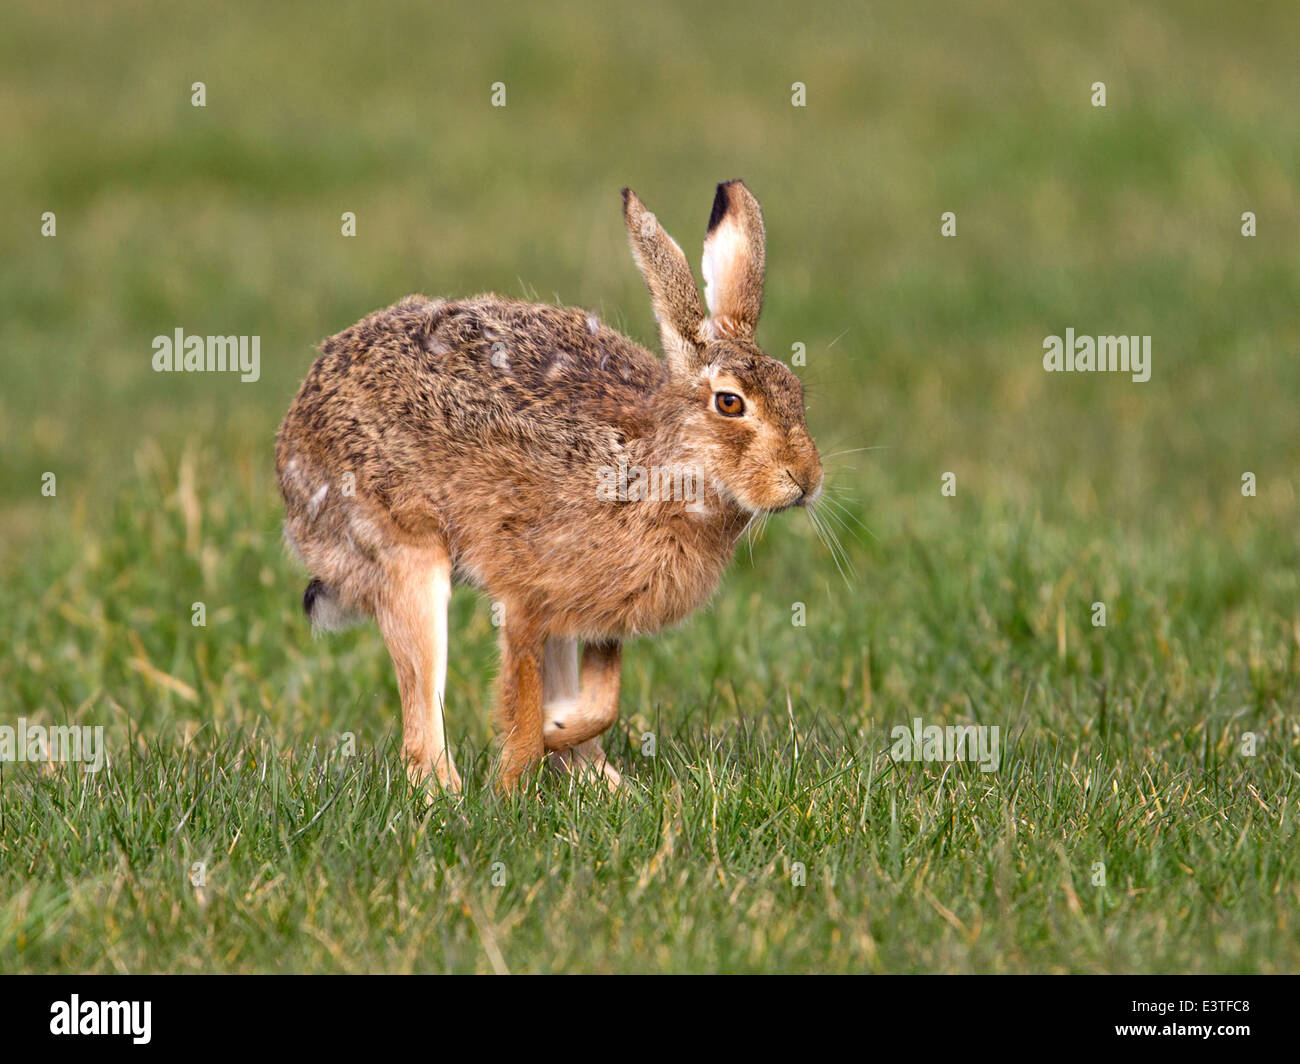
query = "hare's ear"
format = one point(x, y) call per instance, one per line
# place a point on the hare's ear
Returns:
point(673, 294)
point(733, 263)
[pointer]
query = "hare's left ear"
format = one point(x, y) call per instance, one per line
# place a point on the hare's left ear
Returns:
point(673, 294)
point(734, 262)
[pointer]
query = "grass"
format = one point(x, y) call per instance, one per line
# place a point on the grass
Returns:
point(770, 830)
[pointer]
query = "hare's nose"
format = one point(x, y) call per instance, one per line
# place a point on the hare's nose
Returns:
point(803, 491)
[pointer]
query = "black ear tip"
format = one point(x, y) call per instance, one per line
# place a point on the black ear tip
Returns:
point(314, 589)
point(721, 201)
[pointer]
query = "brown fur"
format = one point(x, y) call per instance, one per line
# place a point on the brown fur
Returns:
point(473, 432)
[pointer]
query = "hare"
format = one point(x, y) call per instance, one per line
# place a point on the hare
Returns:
point(595, 491)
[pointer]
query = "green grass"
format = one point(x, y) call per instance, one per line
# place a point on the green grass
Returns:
point(1121, 744)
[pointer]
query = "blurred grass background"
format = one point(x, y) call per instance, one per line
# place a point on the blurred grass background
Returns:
point(1071, 488)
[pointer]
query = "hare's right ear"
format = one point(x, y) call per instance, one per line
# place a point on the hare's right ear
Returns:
point(734, 261)
point(673, 294)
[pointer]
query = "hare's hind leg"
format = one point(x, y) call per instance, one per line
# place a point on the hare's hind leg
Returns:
point(559, 682)
point(412, 614)
point(578, 711)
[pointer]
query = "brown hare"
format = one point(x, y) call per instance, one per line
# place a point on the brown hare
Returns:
point(596, 492)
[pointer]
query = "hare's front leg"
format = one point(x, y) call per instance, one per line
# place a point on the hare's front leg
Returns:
point(578, 711)
point(412, 615)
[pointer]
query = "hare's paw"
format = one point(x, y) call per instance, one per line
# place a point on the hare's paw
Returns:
point(586, 762)
point(519, 762)
point(433, 775)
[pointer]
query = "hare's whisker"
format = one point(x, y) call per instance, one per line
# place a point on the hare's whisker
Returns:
point(848, 515)
point(832, 545)
point(857, 450)
point(844, 554)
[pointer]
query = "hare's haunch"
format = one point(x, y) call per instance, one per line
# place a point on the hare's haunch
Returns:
point(595, 491)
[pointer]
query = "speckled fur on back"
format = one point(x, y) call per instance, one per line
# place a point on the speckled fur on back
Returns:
point(476, 437)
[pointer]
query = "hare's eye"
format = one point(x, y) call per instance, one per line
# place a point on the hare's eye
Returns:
point(729, 404)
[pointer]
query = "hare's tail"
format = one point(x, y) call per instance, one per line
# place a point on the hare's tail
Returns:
point(325, 610)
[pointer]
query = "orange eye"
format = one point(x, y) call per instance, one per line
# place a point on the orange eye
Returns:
point(729, 404)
